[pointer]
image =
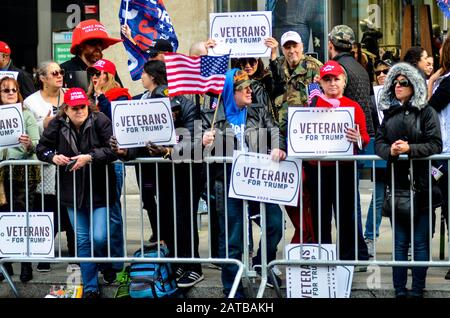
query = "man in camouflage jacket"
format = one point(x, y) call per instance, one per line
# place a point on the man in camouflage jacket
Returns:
point(292, 73)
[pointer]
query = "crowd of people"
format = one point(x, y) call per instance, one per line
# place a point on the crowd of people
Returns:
point(69, 127)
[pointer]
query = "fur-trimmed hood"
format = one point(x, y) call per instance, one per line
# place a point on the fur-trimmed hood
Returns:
point(419, 98)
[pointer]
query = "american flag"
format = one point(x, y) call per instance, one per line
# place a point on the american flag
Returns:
point(195, 75)
point(313, 90)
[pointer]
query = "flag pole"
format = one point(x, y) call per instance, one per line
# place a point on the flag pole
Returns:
point(126, 11)
point(215, 112)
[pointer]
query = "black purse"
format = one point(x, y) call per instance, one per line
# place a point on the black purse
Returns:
point(402, 203)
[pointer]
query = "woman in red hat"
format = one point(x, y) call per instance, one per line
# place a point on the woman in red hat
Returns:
point(333, 80)
point(21, 191)
point(76, 138)
point(104, 89)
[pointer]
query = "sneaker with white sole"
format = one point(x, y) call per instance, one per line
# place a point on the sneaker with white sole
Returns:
point(43, 267)
point(189, 279)
point(370, 247)
point(179, 272)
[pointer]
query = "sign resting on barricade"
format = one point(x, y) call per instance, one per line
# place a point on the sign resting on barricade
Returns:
point(257, 177)
point(319, 131)
point(14, 234)
point(11, 125)
point(377, 94)
point(312, 281)
point(12, 74)
point(135, 122)
point(242, 34)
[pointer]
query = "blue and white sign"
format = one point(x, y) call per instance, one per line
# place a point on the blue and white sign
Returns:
point(19, 239)
point(319, 131)
point(241, 33)
point(312, 281)
point(11, 125)
point(135, 122)
point(257, 177)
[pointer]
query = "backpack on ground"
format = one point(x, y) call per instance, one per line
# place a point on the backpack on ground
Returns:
point(152, 280)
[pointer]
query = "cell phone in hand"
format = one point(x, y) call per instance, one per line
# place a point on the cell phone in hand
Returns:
point(70, 165)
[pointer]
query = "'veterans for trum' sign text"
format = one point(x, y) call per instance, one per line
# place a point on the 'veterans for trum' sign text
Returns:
point(11, 125)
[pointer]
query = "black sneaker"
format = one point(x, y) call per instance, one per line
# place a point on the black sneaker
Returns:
point(189, 279)
point(447, 276)
point(92, 294)
point(179, 272)
point(270, 282)
point(26, 272)
point(43, 267)
point(109, 276)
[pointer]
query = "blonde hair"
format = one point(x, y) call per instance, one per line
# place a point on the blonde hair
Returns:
point(110, 84)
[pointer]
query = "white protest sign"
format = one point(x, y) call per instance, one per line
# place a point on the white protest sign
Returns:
point(319, 131)
point(257, 177)
point(11, 74)
point(377, 94)
point(312, 281)
point(241, 33)
point(135, 122)
point(14, 234)
point(11, 125)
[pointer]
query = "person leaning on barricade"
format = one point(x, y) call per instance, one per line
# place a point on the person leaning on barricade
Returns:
point(77, 140)
point(409, 127)
point(184, 114)
point(239, 124)
point(104, 89)
point(439, 99)
point(44, 105)
point(333, 81)
point(10, 94)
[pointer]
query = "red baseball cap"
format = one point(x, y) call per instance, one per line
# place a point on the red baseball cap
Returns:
point(89, 30)
point(103, 65)
point(331, 68)
point(75, 97)
point(4, 48)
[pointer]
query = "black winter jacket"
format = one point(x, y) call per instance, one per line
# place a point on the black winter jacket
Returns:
point(61, 137)
point(358, 86)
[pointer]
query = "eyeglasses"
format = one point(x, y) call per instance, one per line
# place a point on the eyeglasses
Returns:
point(58, 72)
point(378, 73)
point(402, 83)
point(93, 42)
point(9, 90)
point(250, 61)
point(75, 109)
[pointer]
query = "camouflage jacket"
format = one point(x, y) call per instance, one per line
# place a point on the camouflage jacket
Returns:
point(292, 89)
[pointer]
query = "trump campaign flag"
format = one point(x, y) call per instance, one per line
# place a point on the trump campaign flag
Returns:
point(195, 74)
point(148, 21)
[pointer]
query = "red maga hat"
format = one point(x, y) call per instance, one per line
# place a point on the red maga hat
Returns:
point(331, 68)
point(103, 65)
point(75, 97)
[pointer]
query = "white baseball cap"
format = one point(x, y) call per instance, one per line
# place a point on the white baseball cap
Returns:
point(290, 36)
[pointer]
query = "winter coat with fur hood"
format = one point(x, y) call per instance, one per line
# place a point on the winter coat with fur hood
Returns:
point(414, 122)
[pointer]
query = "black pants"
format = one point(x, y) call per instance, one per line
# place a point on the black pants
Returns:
point(347, 212)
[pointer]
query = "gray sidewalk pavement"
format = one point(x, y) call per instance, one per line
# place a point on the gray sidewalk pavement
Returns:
point(376, 282)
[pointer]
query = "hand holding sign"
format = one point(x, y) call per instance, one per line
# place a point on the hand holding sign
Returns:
point(26, 142)
point(208, 137)
point(115, 147)
point(278, 155)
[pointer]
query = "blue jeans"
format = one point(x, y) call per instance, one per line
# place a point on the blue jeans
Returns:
point(235, 237)
point(421, 253)
point(89, 271)
point(379, 198)
point(115, 219)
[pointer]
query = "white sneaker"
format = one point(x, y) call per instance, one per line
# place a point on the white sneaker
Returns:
point(370, 247)
point(72, 268)
point(277, 271)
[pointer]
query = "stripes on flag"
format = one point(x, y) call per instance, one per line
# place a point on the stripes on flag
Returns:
point(313, 90)
point(196, 74)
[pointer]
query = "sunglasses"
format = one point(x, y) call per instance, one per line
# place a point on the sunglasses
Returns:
point(58, 72)
point(250, 61)
point(77, 108)
point(98, 73)
point(378, 73)
point(9, 90)
point(93, 42)
point(402, 83)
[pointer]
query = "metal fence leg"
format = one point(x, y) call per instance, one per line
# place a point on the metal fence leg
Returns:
point(9, 280)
